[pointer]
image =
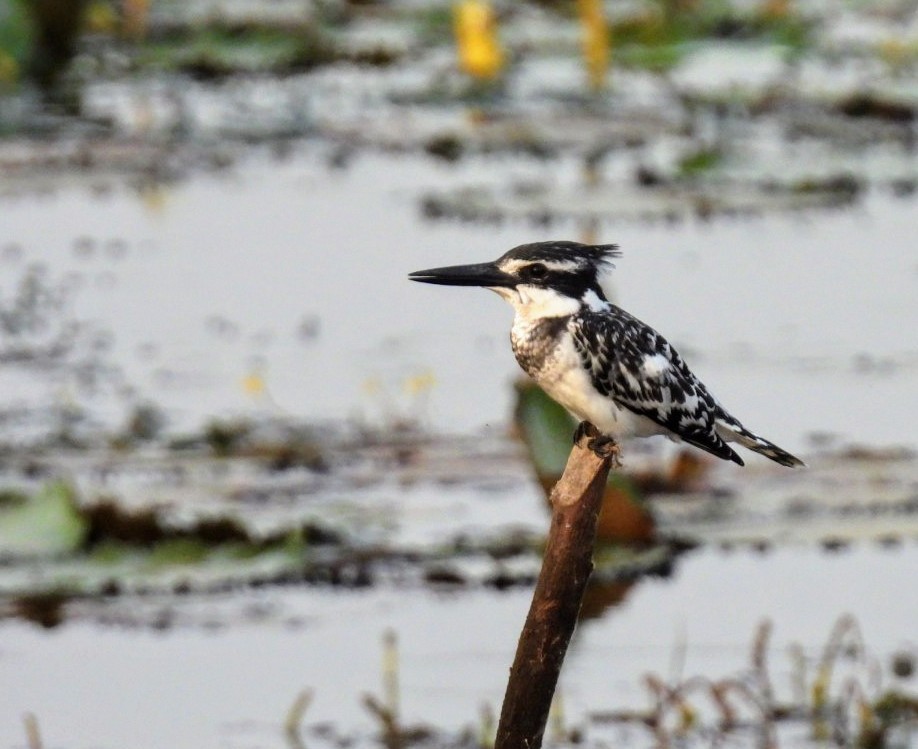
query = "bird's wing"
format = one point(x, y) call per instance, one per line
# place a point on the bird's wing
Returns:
point(633, 364)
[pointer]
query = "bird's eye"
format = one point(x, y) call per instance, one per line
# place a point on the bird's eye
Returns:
point(537, 271)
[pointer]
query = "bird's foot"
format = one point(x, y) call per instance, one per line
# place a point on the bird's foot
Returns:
point(600, 444)
point(606, 448)
point(585, 429)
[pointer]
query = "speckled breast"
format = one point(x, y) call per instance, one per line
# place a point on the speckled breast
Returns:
point(535, 343)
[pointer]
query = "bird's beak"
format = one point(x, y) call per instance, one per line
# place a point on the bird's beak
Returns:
point(481, 274)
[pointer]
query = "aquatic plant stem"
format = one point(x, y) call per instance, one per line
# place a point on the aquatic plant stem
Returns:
point(566, 568)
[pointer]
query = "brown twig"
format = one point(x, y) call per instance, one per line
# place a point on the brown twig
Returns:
point(566, 567)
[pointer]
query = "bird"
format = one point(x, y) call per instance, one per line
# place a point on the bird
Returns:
point(604, 365)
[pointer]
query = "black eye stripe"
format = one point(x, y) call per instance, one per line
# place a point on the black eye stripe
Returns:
point(537, 270)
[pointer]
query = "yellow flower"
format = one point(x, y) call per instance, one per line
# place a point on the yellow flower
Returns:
point(253, 384)
point(480, 53)
point(595, 41)
point(420, 383)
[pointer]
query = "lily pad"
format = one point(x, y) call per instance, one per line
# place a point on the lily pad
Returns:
point(48, 523)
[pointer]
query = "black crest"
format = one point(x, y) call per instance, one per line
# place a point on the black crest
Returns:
point(599, 256)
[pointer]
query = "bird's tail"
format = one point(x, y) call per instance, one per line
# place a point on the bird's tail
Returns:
point(732, 431)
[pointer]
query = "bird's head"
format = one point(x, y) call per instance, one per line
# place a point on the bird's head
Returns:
point(537, 273)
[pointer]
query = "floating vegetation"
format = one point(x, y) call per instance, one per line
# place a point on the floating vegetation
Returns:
point(241, 504)
point(650, 201)
point(46, 524)
point(250, 509)
point(699, 162)
point(214, 53)
point(713, 75)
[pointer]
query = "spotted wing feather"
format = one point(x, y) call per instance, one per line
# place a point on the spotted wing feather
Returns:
point(633, 364)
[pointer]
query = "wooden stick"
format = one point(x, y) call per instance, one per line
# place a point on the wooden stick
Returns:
point(566, 568)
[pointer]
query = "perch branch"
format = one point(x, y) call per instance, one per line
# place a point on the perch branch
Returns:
point(566, 568)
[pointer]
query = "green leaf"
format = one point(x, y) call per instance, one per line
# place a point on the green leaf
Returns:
point(49, 523)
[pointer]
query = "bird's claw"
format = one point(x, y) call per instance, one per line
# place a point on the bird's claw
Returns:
point(605, 448)
point(601, 445)
point(585, 429)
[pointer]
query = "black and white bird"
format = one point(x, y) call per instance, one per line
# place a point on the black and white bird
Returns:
point(602, 364)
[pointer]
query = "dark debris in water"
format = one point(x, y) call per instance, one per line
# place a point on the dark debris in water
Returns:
point(653, 198)
point(863, 104)
point(108, 522)
point(43, 609)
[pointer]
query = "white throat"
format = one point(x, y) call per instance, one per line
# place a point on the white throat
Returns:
point(534, 302)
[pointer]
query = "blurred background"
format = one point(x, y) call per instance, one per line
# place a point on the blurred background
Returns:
point(258, 490)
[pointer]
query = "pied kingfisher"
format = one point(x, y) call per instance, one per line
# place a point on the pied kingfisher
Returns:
point(602, 364)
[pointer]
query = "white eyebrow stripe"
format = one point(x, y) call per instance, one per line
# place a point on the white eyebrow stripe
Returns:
point(515, 265)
